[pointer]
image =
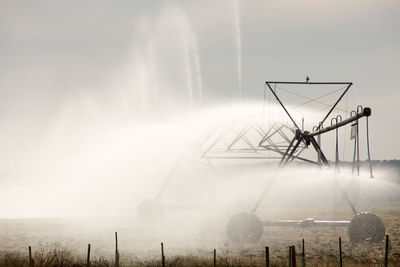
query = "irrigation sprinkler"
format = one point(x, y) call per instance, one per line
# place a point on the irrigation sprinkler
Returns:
point(236, 141)
point(255, 140)
point(363, 227)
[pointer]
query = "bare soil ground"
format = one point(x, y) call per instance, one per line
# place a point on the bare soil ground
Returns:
point(63, 242)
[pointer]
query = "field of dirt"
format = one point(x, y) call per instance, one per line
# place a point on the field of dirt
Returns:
point(141, 242)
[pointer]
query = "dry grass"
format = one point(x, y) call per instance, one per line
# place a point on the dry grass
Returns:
point(61, 257)
point(53, 257)
point(321, 248)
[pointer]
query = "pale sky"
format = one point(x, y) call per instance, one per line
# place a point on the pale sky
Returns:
point(58, 52)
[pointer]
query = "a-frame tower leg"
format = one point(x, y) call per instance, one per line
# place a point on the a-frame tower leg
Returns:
point(319, 151)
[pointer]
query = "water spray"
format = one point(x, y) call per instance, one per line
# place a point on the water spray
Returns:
point(252, 140)
point(247, 227)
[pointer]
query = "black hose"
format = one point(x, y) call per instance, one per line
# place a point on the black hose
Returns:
point(369, 155)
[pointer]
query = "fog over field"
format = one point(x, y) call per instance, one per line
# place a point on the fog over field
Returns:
point(111, 112)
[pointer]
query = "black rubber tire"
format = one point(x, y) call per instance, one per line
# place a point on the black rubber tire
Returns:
point(366, 227)
point(150, 211)
point(245, 227)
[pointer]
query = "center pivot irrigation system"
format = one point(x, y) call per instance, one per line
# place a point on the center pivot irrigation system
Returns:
point(284, 144)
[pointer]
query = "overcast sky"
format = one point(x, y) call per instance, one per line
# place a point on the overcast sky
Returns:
point(54, 53)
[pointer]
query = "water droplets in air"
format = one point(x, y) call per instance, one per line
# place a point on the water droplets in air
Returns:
point(165, 69)
point(236, 11)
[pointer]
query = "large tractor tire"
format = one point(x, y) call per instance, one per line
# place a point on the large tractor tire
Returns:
point(245, 227)
point(366, 227)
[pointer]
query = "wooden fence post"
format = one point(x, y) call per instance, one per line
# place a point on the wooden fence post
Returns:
point(215, 257)
point(30, 257)
point(340, 252)
point(293, 254)
point(162, 255)
point(387, 251)
point(266, 256)
point(116, 250)
point(88, 256)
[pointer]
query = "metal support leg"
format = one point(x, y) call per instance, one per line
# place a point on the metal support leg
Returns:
point(287, 151)
point(293, 150)
point(318, 149)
